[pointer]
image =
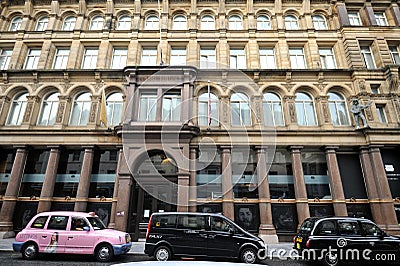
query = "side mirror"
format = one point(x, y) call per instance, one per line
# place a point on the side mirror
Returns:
point(231, 231)
point(86, 228)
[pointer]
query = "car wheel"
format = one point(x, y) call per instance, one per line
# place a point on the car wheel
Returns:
point(29, 251)
point(104, 253)
point(248, 255)
point(162, 253)
point(331, 259)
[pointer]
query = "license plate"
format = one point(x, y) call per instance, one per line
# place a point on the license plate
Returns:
point(298, 245)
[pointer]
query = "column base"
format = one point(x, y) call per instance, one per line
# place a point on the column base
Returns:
point(393, 230)
point(268, 234)
point(7, 234)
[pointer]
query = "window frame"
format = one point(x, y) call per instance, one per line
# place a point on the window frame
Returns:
point(366, 55)
point(15, 25)
point(32, 58)
point(178, 56)
point(354, 18)
point(63, 57)
point(324, 58)
point(42, 23)
point(86, 105)
point(89, 64)
point(5, 58)
point(53, 108)
point(124, 22)
point(152, 22)
point(294, 58)
point(382, 115)
point(203, 100)
point(242, 100)
point(147, 56)
point(381, 19)
point(111, 108)
point(395, 55)
point(263, 22)
point(207, 24)
point(339, 105)
point(239, 54)
point(267, 59)
point(235, 22)
point(303, 103)
point(208, 53)
point(17, 109)
point(319, 22)
point(291, 22)
point(119, 58)
point(96, 23)
point(69, 23)
point(179, 22)
point(271, 104)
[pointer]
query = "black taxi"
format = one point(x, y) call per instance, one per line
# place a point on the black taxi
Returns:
point(335, 239)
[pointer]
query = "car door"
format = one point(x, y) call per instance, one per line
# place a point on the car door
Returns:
point(79, 240)
point(350, 240)
point(191, 235)
point(377, 241)
point(221, 240)
point(56, 234)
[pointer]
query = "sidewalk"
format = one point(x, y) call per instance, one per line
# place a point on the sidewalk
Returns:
point(280, 250)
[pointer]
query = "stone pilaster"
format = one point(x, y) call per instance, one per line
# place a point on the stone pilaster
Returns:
point(192, 180)
point(227, 191)
point(115, 191)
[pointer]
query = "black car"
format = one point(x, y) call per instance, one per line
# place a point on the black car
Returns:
point(200, 235)
point(335, 239)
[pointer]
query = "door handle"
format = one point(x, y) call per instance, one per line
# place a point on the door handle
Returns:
point(211, 236)
point(70, 237)
point(44, 236)
point(203, 235)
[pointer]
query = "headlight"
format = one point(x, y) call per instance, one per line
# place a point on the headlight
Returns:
point(262, 244)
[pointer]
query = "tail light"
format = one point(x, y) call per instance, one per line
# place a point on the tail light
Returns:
point(148, 227)
point(308, 243)
point(294, 239)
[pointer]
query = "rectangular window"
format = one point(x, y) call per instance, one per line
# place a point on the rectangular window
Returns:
point(171, 110)
point(61, 58)
point(58, 223)
point(237, 59)
point(147, 107)
point(149, 57)
point(381, 19)
point(267, 58)
point(381, 114)
point(208, 58)
point(327, 58)
point(119, 58)
point(394, 52)
point(192, 222)
point(368, 57)
point(375, 88)
point(354, 19)
point(32, 60)
point(90, 58)
point(297, 58)
point(5, 58)
point(178, 56)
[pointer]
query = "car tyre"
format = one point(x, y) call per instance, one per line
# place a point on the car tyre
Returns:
point(330, 259)
point(104, 253)
point(30, 251)
point(248, 255)
point(162, 253)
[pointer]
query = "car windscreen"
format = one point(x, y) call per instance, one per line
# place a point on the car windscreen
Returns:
point(96, 223)
point(306, 227)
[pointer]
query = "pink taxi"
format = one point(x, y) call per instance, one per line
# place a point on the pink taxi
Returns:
point(72, 233)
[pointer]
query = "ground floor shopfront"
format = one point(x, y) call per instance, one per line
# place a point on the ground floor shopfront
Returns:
point(269, 198)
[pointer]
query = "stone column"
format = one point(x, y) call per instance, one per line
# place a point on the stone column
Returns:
point(300, 191)
point(11, 195)
point(227, 190)
point(338, 198)
point(369, 11)
point(382, 184)
point(267, 230)
point(183, 191)
point(192, 180)
point(111, 224)
point(4, 105)
point(372, 191)
point(46, 194)
point(84, 181)
point(124, 187)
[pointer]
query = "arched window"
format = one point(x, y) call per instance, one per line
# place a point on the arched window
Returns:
point(240, 110)
point(338, 110)
point(179, 23)
point(207, 23)
point(263, 22)
point(272, 106)
point(81, 110)
point(291, 22)
point(305, 110)
point(15, 24)
point(319, 22)
point(152, 23)
point(114, 108)
point(235, 23)
point(124, 22)
point(208, 110)
point(96, 23)
point(49, 109)
point(69, 23)
point(17, 109)
point(42, 24)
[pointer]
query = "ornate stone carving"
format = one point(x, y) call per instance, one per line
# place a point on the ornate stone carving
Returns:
point(93, 111)
point(28, 111)
point(292, 113)
point(60, 112)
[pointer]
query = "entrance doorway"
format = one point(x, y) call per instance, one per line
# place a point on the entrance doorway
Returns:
point(155, 190)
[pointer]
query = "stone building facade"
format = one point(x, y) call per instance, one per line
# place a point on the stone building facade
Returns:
point(226, 73)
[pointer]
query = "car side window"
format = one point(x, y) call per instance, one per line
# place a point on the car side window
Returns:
point(371, 229)
point(58, 222)
point(349, 228)
point(164, 221)
point(327, 228)
point(78, 223)
point(193, 222)
point(39, 222)
point(219, 224)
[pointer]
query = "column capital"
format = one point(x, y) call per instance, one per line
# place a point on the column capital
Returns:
point(89, 147)
point(226, 148)
point(331, 148)
point(54, 146)
point(295, 148)
point(20, 146)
